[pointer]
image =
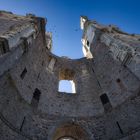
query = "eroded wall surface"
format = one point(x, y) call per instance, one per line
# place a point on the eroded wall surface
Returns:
point(106, 104)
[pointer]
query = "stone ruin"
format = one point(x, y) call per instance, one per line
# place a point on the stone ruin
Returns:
point(106, 102)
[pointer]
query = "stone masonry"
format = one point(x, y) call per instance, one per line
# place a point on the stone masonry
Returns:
point(106, 101)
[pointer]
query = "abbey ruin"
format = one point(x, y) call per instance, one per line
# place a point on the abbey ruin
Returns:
point(105, 104)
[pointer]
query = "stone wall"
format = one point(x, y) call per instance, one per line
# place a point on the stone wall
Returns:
point(107, 99)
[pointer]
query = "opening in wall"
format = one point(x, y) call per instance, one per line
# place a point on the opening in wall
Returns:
point(3, 47)
point(105, 101)
point(70, 131)
point(67, 81)
point(118, 80)
point(36, 97)
point(67, 86)
point(87, 43)
point(22, 75)
point(66, 138)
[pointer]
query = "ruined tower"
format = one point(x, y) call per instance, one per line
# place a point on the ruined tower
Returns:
point(106, 102)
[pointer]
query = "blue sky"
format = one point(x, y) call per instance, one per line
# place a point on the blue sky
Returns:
point(64, 18)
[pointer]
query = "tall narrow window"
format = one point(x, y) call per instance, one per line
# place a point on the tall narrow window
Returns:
point(105, 101)
point(87, 43)
point(36, 97)
point(3, 48)
point(22, 75)
point(67, 86)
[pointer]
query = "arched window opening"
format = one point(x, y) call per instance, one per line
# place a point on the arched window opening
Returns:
point(67, 86)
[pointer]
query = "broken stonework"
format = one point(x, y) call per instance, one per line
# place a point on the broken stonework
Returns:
point(106, 101)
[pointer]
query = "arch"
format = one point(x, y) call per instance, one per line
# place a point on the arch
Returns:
point(66, 74)
point(70, 131)
point(67, 138)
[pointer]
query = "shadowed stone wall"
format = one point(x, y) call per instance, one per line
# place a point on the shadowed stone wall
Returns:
point(106, 103)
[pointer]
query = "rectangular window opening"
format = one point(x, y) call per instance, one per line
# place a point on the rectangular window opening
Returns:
point(36, 98)
point(67, 86)
point(87, 43)
point(106, 103)
point(3, 49)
